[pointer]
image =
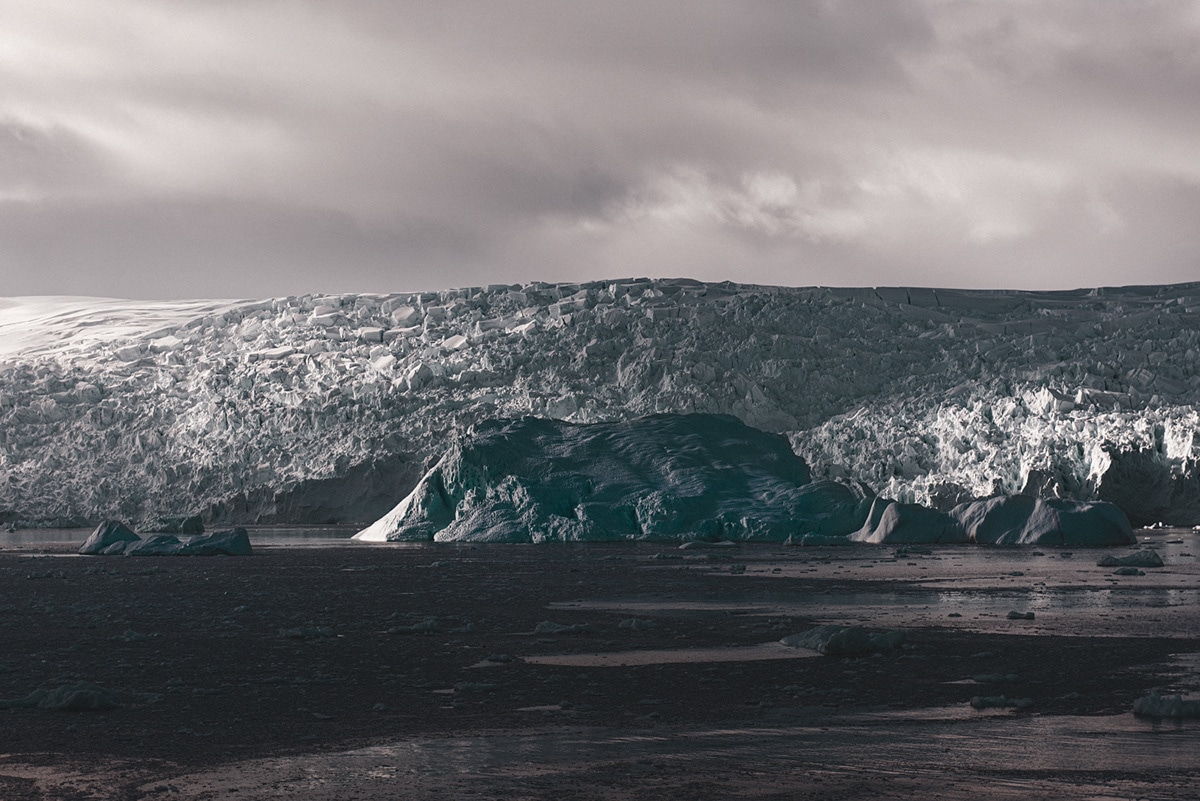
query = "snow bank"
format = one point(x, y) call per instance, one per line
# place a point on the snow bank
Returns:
point(286, 409)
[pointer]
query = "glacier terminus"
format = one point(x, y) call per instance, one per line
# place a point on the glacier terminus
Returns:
point(331, 408)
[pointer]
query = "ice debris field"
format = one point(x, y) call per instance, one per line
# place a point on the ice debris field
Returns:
point(333, 408)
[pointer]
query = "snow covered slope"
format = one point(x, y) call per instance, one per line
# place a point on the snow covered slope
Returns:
point(321, 408)
point(57, 326)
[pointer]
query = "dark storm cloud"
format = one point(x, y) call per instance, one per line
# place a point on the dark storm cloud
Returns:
point(268, 147)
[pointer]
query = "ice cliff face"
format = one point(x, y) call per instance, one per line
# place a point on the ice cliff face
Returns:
point(321, 408)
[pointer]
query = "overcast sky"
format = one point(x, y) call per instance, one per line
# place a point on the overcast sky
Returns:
point(237, 148)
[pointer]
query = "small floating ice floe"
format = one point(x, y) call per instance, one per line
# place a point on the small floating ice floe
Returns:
point(1143, 558)
point(844, 641)
point(113, 537)
point(1157, 706)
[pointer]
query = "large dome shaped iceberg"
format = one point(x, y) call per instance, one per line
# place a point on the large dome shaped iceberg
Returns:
point(661, 477)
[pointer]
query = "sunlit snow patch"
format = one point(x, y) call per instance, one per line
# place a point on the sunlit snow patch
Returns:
point(34, 326)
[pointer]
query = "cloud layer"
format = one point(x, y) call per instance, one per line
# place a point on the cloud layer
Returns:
point(263, 147)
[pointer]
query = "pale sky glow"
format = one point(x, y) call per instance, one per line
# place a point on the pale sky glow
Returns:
point(212, 148)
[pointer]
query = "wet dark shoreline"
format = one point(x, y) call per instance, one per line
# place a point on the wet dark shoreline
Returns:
point(316, 650)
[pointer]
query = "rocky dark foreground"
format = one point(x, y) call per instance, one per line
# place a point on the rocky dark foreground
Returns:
point(288, 651)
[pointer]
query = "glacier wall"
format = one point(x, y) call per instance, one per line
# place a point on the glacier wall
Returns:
point(330, 407)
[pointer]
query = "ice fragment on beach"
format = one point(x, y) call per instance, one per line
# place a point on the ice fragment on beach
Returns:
point(999, 702)
point(1023, 520)
point(231, 542)
point(844, 641)
point(1155, 705)
point(889, 521)
point(109, 537)
point(1143, 558)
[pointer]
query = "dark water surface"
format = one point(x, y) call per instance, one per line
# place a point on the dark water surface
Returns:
point(948, 754)
point(917, 752)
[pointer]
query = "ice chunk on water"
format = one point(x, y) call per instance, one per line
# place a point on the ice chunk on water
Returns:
point(1022, 520)
point(845, 640)
point(1143, 558)
point(1155, 705)
point(107, 534)
point(892, 522)
point(112, 538)
point(662, 477)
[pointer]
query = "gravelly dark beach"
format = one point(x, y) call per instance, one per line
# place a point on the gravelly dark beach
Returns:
point(216, 661)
